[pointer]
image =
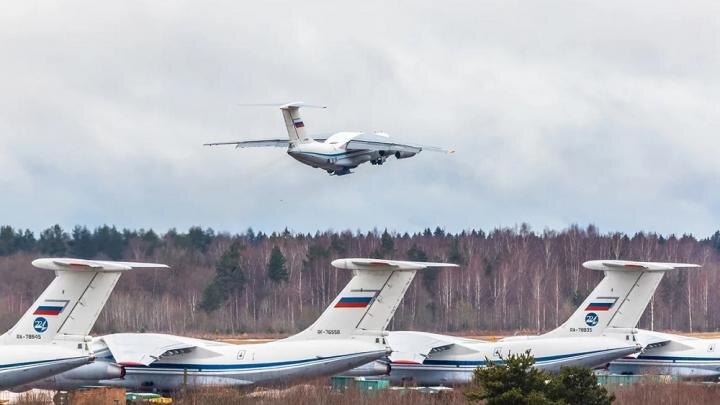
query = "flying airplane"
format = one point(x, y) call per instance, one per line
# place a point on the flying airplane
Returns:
point(600, 330)
point(349, 333)
point(52, 336)
point(338, 153)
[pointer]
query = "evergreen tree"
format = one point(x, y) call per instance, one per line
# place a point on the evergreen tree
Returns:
point(429, 275)
point(515, 382)
point(454, 253)
point(578, 385)
point(109, 241)
point(387, 244)
point(25, 241)
point(199, 239)
point(518, 382)
point(53, 241)
point(276, 269)
point(8, 242)
point(337, 244)
point(229, 280)
point(82, 244)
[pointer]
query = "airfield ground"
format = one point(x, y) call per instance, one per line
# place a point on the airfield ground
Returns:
point(319, 393)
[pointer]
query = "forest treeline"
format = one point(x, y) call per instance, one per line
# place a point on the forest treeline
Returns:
point(510, 279)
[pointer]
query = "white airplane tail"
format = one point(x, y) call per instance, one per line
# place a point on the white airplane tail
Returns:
point(294, 123)
point(70, 305)
point(619, 300)
point(368, 302)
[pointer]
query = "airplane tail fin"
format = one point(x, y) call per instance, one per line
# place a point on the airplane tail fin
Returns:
point(368, 302)
point(70, 305)
point(619, 300)
point(294, 123)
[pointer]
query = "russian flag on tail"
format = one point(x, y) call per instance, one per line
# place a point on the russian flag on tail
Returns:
point(298, 122)
point(51, 307)
point(601, 304)
point(353, 302)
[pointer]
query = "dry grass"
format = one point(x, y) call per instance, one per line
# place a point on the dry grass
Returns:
point(313, 393)
point(669, 394)
point(319, 393)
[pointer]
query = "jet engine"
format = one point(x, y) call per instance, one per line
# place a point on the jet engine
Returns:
point(374, 368)
point(96, 371)
point(404, 155)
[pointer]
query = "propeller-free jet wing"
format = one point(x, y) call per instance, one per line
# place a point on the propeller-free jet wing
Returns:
point(336, 154)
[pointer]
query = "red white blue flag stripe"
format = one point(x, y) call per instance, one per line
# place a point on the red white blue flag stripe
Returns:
point(353, 302)
point(601, 304)
point(51, 307)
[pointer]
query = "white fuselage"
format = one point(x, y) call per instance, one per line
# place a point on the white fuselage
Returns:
point(682, 356)
point(24, 364)
point(212, 363)
point(332, 156)
point(457, 364)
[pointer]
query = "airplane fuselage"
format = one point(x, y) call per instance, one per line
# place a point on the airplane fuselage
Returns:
point(220, 364)
point(23, 364)
point(333, 158)
point(682, 356)
point(454, 367)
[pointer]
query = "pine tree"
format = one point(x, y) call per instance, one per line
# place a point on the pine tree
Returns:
point(276, 269)
point(82, 244)
point(229, 280)
point(53, 241)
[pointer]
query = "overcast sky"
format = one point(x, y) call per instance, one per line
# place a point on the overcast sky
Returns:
point(560, 112)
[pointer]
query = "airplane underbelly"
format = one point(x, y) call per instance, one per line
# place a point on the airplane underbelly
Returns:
point(165, 378)
point(431, 375)
point(331, 162)
point(681, 368)
point(591, 360)
point(18, 376)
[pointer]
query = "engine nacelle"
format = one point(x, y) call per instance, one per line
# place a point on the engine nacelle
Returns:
point(404, 155)
point(374, 368)
point(96, 371)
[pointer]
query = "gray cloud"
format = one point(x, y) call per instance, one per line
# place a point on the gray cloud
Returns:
point(560, 112)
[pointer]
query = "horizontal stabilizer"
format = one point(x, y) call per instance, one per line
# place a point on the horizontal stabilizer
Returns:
point(625, 265)
point(380, 264)
point(284, 106)
point(64, 264)
point(279, 143)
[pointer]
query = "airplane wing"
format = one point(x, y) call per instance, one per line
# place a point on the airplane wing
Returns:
point(280, 143)
point(142, 349)
point(414, 347)
point(391, 147)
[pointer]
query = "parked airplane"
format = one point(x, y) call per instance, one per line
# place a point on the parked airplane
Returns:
point(349, 333)
point(338, 153)
point(52, 336)
point(600, 330)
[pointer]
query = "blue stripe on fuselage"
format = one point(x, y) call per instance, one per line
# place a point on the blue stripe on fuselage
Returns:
point(476, 363)
point(244, 366)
